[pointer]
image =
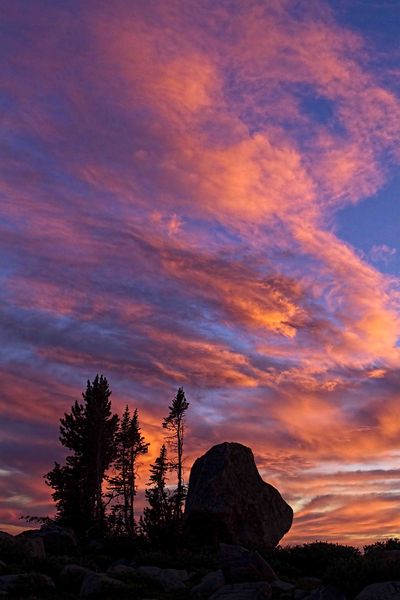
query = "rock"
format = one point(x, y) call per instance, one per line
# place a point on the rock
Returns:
point(72, 577)
point(240, 565)
point(11, 549)
point(24, 583)
point(21, 546)
point(308, 583)
point(387, 590)
point(148, 572)
point(96, 546)
point(228, 501)
point(6, 537)
point(327, 592)
point(244, 591)
point(14, 583)
point(208, 585)
point(282, 586)
point(124, 561)
point(299, 594)
point(98, 584)
point(170, 580)
point(122, 572)
point(180, 574)
point(56, 540)
point(42, 583)
point(34, 547)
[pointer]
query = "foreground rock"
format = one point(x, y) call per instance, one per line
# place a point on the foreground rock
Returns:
point(56, 540)
point(21, 547)
point(99, 584)
point(209, 584)
point(239, 564)
point(327, 592)
point(34, 547)
point(228, 501)
point(26, 583)
point(388, 590)
point(72, 576)
point(11, 548)
point(122, 572)
point(244, 591)
point(283, 586)
point(169, 580)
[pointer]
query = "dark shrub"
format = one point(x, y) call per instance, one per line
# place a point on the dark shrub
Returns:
point(309, 559)
point(380, 562)
point(391, 545)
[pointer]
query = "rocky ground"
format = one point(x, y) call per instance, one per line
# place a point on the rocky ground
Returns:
point(50, 564)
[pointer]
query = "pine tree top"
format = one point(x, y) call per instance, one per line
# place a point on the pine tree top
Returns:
point(176, 410)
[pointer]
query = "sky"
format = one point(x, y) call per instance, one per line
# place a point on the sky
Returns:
point(204, 194)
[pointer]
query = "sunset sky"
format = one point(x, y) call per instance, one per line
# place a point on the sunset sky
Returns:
point(205, 193)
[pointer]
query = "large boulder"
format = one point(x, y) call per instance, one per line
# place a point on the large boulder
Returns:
point(20, 547)
point(34, 548)
point(26, 583)
point(327, 592)
point(169, 580)
point(227, 501)
point(56, 539)
point(11, 549)
point(209, 584)
point(72, 576)
point(240, 565)
point(259, 590)
point(387, 590)
point(122, 572)
point(283, 587)
point(99, 584)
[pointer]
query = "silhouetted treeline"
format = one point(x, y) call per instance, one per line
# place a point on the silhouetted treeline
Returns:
point(95, 489)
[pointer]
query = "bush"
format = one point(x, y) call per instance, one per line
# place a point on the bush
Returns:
point(354, 574)
point(124, 546)
point(309, 559)
point(378, 548)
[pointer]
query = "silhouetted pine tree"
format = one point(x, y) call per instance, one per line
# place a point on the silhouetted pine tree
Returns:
point(69, 495)
point(157, 517)
point(175, 424)
point(89, 431)
point(130, 445)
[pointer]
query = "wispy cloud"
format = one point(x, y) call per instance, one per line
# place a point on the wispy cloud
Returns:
point(382, 253)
